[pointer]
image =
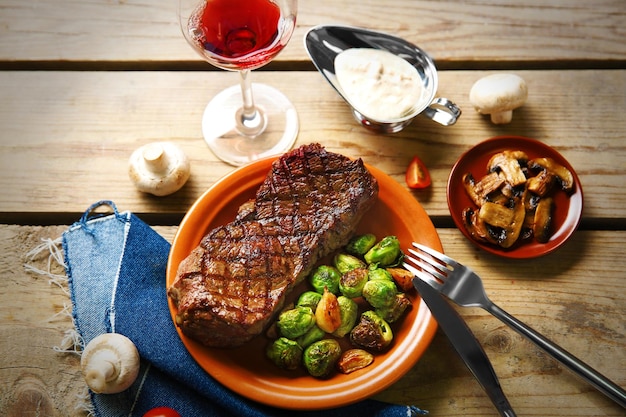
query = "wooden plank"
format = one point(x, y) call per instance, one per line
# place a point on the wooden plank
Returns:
point(577, 301)
point(65, 137)
point(452, 32)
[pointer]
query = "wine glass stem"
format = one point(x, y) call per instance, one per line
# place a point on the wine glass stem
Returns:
point(251, 120)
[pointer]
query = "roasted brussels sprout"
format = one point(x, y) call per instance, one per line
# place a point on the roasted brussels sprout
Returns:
point(385, 253)
point(349, 314)
point(325, 276)
point(379, 273)
point(328, 312)
point(380, 293)
point(392, 313)
point(309, 299)
point(295, 322)
point(352, 282)
point(345, 262)
point(321, 357)
point(313, 335)
point(285, 353)
point(372, 332)
point(359, 245)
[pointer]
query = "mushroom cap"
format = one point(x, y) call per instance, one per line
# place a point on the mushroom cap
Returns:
point(498, 93)
point(159, 168)
point(110, 363)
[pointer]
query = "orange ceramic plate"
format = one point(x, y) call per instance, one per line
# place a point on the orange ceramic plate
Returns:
point(568, 208)
point(246, 370)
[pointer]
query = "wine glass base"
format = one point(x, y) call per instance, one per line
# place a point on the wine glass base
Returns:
point(231, 143)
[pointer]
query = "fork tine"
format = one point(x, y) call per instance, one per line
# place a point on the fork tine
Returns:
point(427, 264)
point(437, 255)
point(424, 276)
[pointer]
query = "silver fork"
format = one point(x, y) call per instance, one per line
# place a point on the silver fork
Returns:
point(461, 285)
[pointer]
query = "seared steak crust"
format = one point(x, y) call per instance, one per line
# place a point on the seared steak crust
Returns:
point(229, 288)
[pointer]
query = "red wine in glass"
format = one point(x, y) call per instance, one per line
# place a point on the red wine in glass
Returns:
point(239, 34)
point(250, 121)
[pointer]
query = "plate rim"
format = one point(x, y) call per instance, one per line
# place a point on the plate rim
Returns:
point(323, 398)
point(522, 252)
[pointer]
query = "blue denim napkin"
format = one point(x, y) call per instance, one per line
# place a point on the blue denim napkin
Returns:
point(115, 265)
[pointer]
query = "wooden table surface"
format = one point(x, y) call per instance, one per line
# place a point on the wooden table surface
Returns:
point(86, 83)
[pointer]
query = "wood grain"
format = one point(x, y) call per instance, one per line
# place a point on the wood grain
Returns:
point(85, 83)
point(587, 319)
point(453, 32)
point(34, 379)
point(66, 137)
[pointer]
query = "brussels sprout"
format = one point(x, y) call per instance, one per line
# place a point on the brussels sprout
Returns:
point(313, 335)
point(349, 314)
point(395, 310)
point(359, 245)
point(372, 332)
point(328, 313)
point(379, 273)
point(345, 262)
point(385, 253)
point(325, 276)
point(309, 299)
point(285, 353)
point(380, 293)
point(352, 282)
point(295, 322)
point(321, 357)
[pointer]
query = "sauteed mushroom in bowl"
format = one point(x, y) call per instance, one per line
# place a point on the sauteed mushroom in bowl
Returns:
point(515, 197)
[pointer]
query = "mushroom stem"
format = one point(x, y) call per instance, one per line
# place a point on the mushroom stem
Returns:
point(502, 117)
point(155, 157)
point(102, 369)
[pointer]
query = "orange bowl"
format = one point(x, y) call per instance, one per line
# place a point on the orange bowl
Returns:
point(246, 370)
point(568, 208)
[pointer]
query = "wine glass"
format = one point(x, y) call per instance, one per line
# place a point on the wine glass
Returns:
point(250, 121)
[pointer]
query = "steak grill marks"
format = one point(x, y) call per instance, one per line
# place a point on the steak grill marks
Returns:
point(308, 206)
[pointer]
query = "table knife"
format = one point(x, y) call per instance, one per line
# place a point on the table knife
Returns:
point(466, 345)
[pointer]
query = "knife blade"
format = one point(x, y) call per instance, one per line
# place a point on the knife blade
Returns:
point(466, 345)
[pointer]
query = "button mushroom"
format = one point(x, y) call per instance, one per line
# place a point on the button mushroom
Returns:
point(110, 363)
point(551, 167)
point(159, 168)
point(542, 221)
point(508, 163)
point(498, 95)
point(479, 191)
point(508, 221)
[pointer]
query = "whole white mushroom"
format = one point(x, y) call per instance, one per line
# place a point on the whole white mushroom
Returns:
point(110, 363)
point(159, 168)
point(498, 95)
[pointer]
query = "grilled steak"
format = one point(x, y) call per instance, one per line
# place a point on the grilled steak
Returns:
point(230, 287)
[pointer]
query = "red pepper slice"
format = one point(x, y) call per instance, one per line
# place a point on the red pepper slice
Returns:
point(417, 175)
